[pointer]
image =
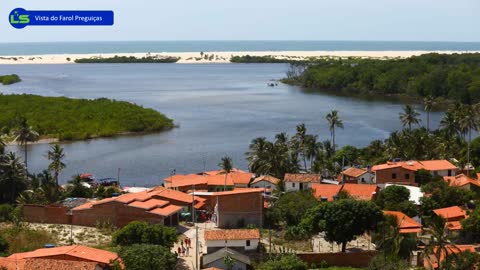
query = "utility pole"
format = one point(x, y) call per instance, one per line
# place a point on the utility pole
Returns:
point(118, 177)
point(196, 247)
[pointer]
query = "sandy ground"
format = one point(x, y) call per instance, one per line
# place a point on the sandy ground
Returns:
point(81, 235)
point(214, 57)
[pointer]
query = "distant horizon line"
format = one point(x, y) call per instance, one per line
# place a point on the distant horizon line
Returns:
point(238, 40)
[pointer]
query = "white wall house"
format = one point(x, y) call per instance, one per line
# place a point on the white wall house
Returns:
point(265, 181)
point(300, 181)
point(241, 240)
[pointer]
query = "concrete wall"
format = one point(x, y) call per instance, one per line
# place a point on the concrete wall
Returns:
point(386, 176)
point(444, 173)
point(295, 186)
point(115, 212)
point(213, 244)
point(221, 265)
point(239, 210)
point(46, 214)
point(353, 259)
point(264, 184)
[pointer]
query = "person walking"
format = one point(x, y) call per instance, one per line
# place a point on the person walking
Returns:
point(179, 249)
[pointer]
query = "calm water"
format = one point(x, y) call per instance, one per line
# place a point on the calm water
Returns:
point(216, 46)
point(220, 109)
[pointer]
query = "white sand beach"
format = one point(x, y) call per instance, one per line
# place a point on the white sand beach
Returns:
point(215, 57)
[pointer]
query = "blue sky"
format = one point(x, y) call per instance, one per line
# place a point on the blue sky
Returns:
point(406, 20)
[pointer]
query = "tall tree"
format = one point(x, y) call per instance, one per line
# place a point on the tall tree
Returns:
point(227, 165)
point(56, 155)
point(440, 245)
point(409, 116)
point(300, 140)
point(449, 124)
point(428, 103)
point(25, 134)
point(468, 123)
point(334, 121)
point(12, 177)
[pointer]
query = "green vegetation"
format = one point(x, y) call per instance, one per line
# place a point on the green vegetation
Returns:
point(137, 232)
point(259, 59)
point(23, 239)
point(453, 77)
point(76, 119)
point(283, 262)
point(147, 257)
point(396, 198)
point(9, 79)
point(127, 59)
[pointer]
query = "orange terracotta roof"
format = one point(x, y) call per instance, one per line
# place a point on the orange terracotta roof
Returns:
point(81, 252)
point(325, 191)
point(302, 177)
point(405, 223)
point(354, 172)
point(361, 191)
point(149, 204)
point(241, 178)
point(460, 180)
point(239, 191)
point(166, 211)
point(267, 178)
point(219, 180)
point(232, 234)
point(453, 225)
point(451, 212)
point(413, 165)
point(432, 262)
point(185, 180)
point(160, 199)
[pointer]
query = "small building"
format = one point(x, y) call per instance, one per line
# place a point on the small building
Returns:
point(265, 181)
point(211, 181)
point(405, 223)
point(243, 240)
point(236, 208)
point(300, 181)
point(357, 176)
point(462, 181)
point(157, 206)
point(326, 192)
point(403, 172)
point(216, 260)
point(452, 216)
point(362, 192)
point(66, 257)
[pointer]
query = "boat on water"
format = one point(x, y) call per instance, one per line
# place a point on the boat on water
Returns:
point(90, 180)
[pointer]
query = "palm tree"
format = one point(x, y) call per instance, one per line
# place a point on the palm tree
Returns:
point(55, 155)
point(334, 121)
point(227, 166)
point(409, 116)
point(2, 146)
point(24, 134)
point(313, 148)
point(13, 176)
point(300, 137)
point(449, 124)
point(440, 245)
point(428, 103)
point(468, 123)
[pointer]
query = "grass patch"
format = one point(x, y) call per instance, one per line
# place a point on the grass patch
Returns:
point(9, 79)
point(22, 239)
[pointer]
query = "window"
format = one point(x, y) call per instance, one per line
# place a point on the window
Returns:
point(394, 176)
point(301, 186)
point(407, 176)
point(449, 172)
point(293, 184)
point(247, 243)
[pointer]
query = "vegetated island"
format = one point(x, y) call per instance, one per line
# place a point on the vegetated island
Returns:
point(248, 59)
point(9, 79)
point(448, 78)
point(127, 59)
point(77, 119)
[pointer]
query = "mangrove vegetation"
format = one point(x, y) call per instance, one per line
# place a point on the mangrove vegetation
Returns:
point(76, 119)
point(9, 79)
point(127, 59)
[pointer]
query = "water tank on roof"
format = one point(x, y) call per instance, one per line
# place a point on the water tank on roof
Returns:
point(49, 246)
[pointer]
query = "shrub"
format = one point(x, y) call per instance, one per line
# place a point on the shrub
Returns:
point(24, 239)
point(137, 232)
point(148, 257)
point(6, 211)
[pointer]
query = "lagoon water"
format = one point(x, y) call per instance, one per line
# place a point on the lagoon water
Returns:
point(219, 108)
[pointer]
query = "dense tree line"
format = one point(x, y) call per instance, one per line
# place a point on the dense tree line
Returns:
point(268, 59)
point(127, 59)
point(9, 79)
point(73, 119)
point(445, 77)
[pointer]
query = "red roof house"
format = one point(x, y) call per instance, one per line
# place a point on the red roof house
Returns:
point(405, 223)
